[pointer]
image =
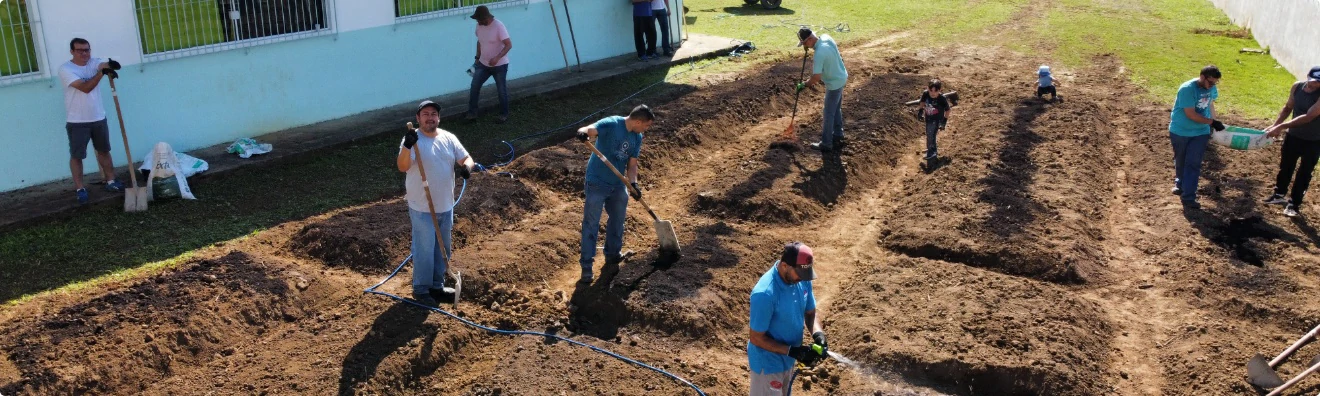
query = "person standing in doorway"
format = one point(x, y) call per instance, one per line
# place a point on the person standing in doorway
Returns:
point(782, 306)
point(1189, 130)
point(620, 140)
point(443, 157)
point(493, 45)
point(660, 12)
point(1301, 142)
point(643, 29)
point(85, 116)
point(826, 67)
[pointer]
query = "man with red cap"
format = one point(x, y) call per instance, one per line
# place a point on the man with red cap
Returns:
point(782, 306)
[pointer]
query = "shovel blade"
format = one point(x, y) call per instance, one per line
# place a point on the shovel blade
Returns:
point(135, 199)
point(1261, 374)
point(458, 287)
point(668, 239)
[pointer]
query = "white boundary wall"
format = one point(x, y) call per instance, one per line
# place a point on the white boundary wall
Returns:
point(1288, 27)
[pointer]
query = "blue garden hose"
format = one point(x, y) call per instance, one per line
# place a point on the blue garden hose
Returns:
point(372, 290)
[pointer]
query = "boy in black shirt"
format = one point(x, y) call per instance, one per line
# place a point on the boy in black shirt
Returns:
point(935, 110)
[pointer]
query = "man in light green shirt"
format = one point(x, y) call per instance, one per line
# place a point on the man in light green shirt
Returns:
point(826, 67)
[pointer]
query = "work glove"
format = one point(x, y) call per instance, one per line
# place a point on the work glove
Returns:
point(1216, 125)
point(409, 139)
point(108, 72)
point(113, 64)
point(805, 354)
point(801, 86)
point(463, 171)
point(819, 338)
point(636, 192)
point(582, 135)
point(943, 123)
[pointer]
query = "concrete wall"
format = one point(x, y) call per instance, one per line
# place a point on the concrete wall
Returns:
point(1287, 27)
point(371, 62)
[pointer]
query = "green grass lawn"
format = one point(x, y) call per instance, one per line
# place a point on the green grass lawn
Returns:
point(178, 24)
point(18, 55)
point(102, 242)
point(414, 7)
point(1154, 38)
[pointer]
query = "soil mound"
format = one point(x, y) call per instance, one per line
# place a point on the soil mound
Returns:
point(969, 331)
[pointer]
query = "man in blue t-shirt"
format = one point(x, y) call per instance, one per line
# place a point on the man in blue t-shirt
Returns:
point(826, 68)
point(620, 140)
point(1189, 131)
point(643, 29)
point(782, 305)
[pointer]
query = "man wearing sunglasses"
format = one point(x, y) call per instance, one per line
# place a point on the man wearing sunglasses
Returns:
point(85, 115)
point(782, 306)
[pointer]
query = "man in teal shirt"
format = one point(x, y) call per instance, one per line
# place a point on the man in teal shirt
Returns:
point(826, 67)
point(1189, 131)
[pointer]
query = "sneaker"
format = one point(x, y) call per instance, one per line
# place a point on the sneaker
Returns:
point(1191, 204)
point(425, 299)
point(1290, 210)
point(114, 186)
point(82, 196)
point(586, 276)
point(821, 147)
point(1176, 191)
point(839, 141)
point(1276, 199)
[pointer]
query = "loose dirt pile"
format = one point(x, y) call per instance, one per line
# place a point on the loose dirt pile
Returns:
point(1043, 256)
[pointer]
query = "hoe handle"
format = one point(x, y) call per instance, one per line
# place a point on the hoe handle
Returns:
point(621, 177)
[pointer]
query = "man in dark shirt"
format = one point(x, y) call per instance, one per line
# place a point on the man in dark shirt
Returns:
point(1302, 141)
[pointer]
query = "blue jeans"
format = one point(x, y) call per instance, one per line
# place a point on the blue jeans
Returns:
point(1187, 155)
point(428, 267)
point(832, 127)
point(614, 199)
point(662, 17)
point(481, 73)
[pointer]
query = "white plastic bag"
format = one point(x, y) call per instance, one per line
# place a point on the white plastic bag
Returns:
point(188, 164)
point(247, 147)
point(166, 178)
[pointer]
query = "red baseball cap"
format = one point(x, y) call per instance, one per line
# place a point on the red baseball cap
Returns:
point(798, 255)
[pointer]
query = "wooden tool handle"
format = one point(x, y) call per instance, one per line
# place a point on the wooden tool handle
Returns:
point(1295, 380)
point(132, 174)
point(621, 177)
point(1295, 346)
point(430, 204)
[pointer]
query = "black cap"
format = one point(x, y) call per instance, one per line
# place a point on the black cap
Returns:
point(1314, 75)
point(799, 256)
point(482, 12)
point(425, 104)
point(803, 34)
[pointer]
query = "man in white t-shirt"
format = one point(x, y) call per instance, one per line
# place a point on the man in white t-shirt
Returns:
point(442, 156)
point(85, 116)
point(493, 44)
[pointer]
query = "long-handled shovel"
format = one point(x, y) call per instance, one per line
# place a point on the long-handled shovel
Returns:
point(1261, 373)
point(562, 49)
point(1315, 366)
point(135, 198)
point(435, 221)
point(788, 141)
point(664, 230)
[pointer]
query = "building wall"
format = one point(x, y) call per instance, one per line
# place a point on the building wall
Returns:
point(1287, 27)
point(196, 101)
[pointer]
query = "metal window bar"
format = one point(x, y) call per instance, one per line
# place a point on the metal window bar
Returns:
point(416, 10)
point(171, 29)
point(18, 49)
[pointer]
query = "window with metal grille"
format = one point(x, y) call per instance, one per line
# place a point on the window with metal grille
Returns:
point(18, 50)
point(410, 10)
point(174, 28)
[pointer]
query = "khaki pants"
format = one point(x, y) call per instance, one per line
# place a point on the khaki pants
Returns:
point(771, 384)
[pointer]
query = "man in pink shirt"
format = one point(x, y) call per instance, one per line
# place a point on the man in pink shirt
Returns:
point(493, 45)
